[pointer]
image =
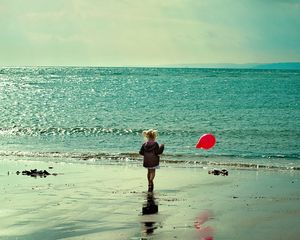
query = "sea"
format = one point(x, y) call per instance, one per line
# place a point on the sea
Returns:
point(96, 115)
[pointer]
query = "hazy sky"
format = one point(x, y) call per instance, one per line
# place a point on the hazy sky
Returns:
point(148, 32)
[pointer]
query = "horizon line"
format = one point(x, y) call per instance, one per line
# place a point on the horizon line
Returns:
point(183, 65)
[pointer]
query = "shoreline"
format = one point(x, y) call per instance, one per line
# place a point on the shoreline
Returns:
point(236, 162)
point(86, 201)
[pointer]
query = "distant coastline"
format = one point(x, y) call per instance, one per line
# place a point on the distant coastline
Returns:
point(280, 65)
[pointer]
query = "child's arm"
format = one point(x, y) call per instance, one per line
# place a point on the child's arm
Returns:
point(142, 150)
point(161, 148)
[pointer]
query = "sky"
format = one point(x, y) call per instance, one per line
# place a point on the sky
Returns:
point(148, 32)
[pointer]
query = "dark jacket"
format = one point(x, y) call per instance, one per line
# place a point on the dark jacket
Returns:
point(150, 150)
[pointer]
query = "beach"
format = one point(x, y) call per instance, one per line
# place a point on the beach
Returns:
point(92, 201)
point(82, 81)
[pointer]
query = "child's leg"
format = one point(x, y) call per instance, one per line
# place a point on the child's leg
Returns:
point(149, 176)
point(152, 175)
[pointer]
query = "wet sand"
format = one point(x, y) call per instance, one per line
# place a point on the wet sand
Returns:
point(86, 201)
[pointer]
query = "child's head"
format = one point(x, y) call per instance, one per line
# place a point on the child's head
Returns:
point(150, 134)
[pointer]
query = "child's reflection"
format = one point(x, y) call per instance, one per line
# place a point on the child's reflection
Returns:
point(150, 207)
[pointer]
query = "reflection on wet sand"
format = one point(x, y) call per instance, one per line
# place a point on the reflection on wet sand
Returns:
point(149, 211)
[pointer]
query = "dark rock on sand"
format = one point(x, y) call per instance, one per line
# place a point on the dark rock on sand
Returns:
point(36, 173)
point(222, 172)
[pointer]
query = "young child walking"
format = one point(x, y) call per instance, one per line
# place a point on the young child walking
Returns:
point(151, 150)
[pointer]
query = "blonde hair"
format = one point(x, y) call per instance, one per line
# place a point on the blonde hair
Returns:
point(150, 134)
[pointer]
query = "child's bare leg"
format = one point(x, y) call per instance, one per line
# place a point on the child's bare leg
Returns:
point(150, 176)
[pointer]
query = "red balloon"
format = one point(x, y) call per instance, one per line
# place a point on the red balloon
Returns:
point(206, 141)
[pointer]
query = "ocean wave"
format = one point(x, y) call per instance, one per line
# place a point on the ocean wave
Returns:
point(87, 131)
point(187, 160)
point(64, 131)
point(100, 130)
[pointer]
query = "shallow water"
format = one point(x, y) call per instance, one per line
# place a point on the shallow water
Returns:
point(87, 201)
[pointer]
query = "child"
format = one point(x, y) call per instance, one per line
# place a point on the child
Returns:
point(151, 150)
